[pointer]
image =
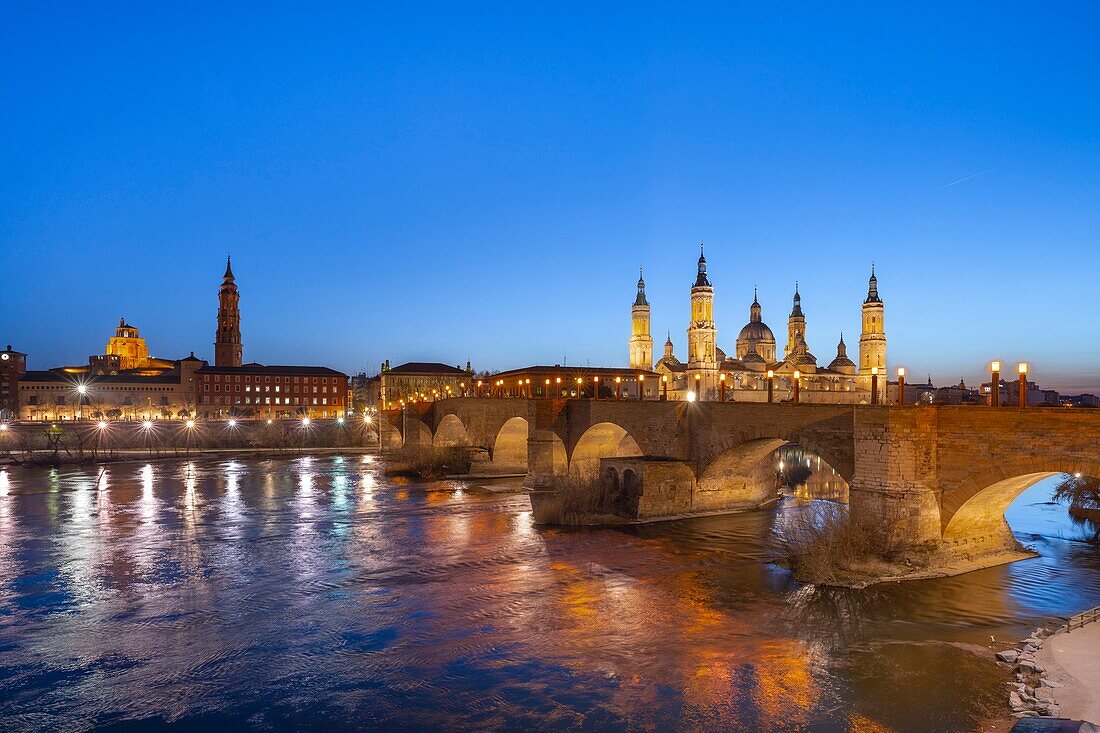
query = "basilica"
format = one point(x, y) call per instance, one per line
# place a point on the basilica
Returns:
point(709, 373)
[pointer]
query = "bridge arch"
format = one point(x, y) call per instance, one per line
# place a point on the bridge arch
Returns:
point(743, 473)
point(972, 514)
point(510, 445)
point(450, 432)
point(601, 440)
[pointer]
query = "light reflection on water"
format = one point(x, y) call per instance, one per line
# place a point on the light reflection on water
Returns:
point(314, 592)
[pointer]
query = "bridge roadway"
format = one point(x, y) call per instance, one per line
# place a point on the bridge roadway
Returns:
point(939, 473)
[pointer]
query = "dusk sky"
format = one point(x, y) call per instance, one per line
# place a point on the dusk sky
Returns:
point(441, 183)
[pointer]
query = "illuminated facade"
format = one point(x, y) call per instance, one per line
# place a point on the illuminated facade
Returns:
point(255, 391)
point(641, 340)
point(710, 374)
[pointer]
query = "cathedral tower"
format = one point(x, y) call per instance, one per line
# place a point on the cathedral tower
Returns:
point(641, 342)
point(796, 324)
point(227, 341)
point(702, 333)
point(872, 341)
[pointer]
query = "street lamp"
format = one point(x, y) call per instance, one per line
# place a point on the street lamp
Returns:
point(797, 384)
point(81, 390)
point(691, 396)
point(721, 387)
point(618, 388)
point(641, 387)
point(1021, 368)
point(698, 388)
point(874, 385)
point(596, 387)
point(995, 389)
point(771, 386)
point(232, 422)
point(664, 387)
point(305, 422)
point(901, 385)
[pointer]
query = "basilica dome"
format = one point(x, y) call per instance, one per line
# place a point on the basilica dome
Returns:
point(756, 331)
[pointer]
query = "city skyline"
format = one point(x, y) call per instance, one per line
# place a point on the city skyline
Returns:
point(404, 191)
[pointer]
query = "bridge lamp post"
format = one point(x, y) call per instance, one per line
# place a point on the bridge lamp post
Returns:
point(595, 388)
point(721, 387)
point(698, 387)
point(797, 385)
point(874, 385)
point(618, 388)
point(901, 385)
point(557, 385)
point(664, 387)
point(580, 387)
point(527, 386)
point(81, 391)
point(1021, 368)
point(995, 388)
point(771, 386)
point(641, 386)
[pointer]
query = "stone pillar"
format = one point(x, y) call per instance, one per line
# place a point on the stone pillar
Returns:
point(894, 490)
point(541, 443)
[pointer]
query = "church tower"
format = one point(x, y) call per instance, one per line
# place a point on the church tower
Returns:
point(872, 341)
point(796, 325)
point(227, 341)
point(702, 333)
point(641, 342)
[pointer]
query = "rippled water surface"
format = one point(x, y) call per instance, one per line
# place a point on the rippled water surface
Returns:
point(313, 593)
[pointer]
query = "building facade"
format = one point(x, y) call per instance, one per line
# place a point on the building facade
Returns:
point(13, 364)
point(419, 381)
point(255, 391)
point(641, 340)
point(710, 374)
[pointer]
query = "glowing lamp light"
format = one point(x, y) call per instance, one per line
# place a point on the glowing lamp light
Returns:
point(191, 424)
point(147, 424)
point(770, 374)
point(874, 370)
point(1021, 368)
point(3, 427)
point(797, 374)
point(82, 388)
point(579, 380)
point(367, 419)
point(305, 421)
point(995, 366)
point(269, 421)
point(901, 371)
point(101, 425)
point(232, 423)
point(691, 396)
point(721, 377)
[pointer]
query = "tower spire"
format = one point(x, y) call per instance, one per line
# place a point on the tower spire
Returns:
point(701, 280)
point(872, 287)
point(227, 339)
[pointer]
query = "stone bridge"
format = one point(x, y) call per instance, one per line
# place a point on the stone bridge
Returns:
point(942, 473)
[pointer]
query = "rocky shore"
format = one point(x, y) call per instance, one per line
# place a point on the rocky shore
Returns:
point(1031, 695)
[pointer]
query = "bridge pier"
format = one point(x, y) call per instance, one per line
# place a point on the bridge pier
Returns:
point(895, 491)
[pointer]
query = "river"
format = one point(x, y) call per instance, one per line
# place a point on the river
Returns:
point(314, 593)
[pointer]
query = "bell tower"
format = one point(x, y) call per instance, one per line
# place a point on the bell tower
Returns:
point(641, 341)
point(796, 324)
point(702, 333)
point(872, 340)
point(227, 340)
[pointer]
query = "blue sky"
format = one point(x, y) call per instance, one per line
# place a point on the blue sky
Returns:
point(431, 182)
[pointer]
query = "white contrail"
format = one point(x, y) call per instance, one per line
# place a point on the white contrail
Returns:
point(975, 175)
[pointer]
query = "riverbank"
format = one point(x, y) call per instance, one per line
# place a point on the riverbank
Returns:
point(143, 456)
point(1072, 664)
point(938, 568)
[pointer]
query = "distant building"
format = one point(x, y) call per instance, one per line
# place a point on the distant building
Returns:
point(1081, 400)
point(709, 372)
point(365, 393)
point(65, 393)
point(418, 381)
point(569, 381)
point(270, 392)
point(13, 364)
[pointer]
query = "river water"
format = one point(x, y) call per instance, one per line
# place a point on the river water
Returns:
point(313, 593)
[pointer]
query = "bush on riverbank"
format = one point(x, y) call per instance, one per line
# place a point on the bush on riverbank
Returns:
point(432, 463)
point(823, 545)
point(577, 501)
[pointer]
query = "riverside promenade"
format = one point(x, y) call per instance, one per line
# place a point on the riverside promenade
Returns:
point(1072, 660)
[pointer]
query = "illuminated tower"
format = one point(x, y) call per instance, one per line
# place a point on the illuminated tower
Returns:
point(227, 341)
point(796, 324)
point(702, 333)
point(641, 342)
point(872, 341)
